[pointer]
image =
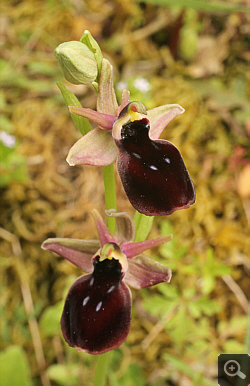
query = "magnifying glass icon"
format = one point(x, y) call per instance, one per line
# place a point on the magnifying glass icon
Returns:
point(232, 368)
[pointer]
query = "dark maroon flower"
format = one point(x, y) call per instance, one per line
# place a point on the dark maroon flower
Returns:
point(152, 171)
point(97, 310)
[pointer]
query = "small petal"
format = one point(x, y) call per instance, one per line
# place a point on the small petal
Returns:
point(153, 173)
point(104, 234)
point(104, 121)
point(125, 101)
point(106, 98)
point(95, 148)
point(124, 226)
point(145, 272)
point(135, 249)
point(78, 252)
point(160, 118)
point(97, 312)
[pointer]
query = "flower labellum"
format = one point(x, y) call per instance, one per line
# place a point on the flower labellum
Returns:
point(96, 315)
point(153, 173)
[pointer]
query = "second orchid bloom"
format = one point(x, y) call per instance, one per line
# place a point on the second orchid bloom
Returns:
point(97, 311)
point(152, 170)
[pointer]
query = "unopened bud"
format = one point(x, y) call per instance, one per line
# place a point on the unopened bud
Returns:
point(77, 62)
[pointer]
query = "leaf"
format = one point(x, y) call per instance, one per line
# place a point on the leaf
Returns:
point(5, 123)
point(169, 291)
point(181, 327)
point(70, 99)
point(12, 165)
point(158, 306)
point(236, 327)
point(50, 320)
point(64, 375)
point(208, 283)
point(201, 5)
point(204, 306)
point(14, 367)
point(188, 370)
point(133, 372)
point(232, 345)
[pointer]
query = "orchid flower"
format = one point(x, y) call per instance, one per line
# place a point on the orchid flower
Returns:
point(97, 312)
point(152, 170)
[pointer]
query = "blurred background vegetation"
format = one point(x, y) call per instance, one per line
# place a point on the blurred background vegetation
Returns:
point(189, 52)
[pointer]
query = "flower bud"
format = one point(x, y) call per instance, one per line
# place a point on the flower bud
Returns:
point(77, 62)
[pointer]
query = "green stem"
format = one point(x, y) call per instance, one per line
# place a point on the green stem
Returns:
point(143, 225)
point(103, 360)
point(110, 193)
point(101, 370)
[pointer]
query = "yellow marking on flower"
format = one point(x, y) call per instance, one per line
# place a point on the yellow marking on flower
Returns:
point(134, 109)
point(135, 112)
point(112, 251)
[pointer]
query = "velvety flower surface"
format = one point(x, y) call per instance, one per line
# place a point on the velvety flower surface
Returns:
point(97, 311)
point(152, 171)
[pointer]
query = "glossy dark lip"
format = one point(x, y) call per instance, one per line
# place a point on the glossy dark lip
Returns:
point(152, 172)
point(97, 311)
